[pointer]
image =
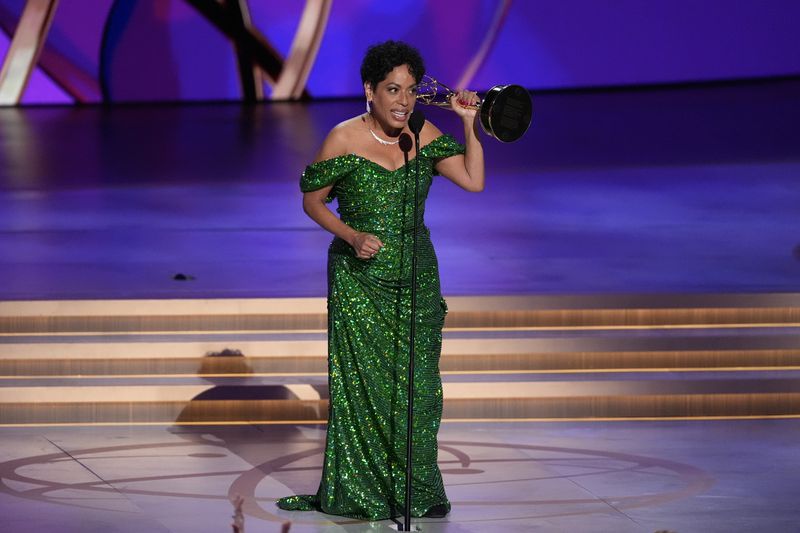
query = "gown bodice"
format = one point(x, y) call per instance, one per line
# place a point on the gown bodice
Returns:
point(373, 198)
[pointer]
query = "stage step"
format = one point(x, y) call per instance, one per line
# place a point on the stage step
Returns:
point(515, 358)
point(293, 314)
point(240, 366)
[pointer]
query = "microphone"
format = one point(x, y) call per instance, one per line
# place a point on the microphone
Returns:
point(415, 122)
point(405, 143)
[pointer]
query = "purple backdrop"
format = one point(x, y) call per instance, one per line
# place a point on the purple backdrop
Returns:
point(165, 50)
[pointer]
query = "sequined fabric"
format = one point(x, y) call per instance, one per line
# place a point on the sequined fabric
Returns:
point(369, 302)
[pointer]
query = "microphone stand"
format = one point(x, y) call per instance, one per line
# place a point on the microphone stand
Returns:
point(415, 123)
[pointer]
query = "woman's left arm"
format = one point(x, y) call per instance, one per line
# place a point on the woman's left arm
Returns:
point(466, 171)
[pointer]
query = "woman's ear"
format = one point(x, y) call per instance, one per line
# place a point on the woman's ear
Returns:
point(368, 90)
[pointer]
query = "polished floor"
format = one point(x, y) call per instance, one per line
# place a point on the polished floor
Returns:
point(620, 477)
point(683, 190)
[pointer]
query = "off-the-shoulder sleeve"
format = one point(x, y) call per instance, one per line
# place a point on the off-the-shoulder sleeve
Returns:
point(323, 173)
point(442, 147)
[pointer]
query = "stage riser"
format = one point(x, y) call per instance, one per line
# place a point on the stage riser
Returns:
point(456, 304)
point(264, 361)
point(503, 389)
point(489, 343)
point(273, 411)
point(220, 367)
point(564, 318)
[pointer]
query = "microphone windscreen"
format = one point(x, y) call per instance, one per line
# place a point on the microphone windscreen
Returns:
point(405, 142)
point(416, 121)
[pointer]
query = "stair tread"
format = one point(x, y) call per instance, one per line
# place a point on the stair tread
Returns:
point(582, 356)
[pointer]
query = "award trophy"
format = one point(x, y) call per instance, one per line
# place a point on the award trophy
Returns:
point(505, 112)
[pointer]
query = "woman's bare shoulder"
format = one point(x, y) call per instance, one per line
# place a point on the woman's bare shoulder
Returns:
point(429, 132)
point(340, 139)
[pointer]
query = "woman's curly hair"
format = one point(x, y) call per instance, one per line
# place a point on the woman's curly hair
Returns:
point(382, 58)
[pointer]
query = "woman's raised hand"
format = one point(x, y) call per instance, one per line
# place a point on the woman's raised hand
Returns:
point(462, 103)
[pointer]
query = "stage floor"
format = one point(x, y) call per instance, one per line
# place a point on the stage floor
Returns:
point(683, 190)
point(704, 477)
point(644, 195)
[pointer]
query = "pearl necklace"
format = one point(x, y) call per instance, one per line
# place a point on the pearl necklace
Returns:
point(383, 142)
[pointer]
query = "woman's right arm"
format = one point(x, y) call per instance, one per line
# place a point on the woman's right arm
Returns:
point(365, 245)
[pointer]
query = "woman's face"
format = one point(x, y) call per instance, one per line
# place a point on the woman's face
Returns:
point(393, 98)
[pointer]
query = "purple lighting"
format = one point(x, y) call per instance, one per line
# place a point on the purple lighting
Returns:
point(170, 51)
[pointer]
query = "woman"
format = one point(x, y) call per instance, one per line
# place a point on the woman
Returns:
point(369, 273)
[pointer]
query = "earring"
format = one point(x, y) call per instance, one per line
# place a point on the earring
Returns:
point(369, 109)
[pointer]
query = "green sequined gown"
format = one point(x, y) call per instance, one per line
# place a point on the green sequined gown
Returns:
point(363, 474)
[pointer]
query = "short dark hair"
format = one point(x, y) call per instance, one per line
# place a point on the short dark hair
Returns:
point(382, 58)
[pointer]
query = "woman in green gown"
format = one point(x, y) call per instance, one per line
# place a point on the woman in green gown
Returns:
point(369, 272)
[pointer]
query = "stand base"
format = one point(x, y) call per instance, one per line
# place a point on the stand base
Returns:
point(400, 527)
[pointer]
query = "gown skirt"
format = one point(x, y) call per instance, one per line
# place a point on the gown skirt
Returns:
point(369, 310)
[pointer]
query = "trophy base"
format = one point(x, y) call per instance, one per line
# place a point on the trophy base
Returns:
point(506, 112)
